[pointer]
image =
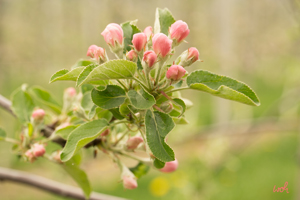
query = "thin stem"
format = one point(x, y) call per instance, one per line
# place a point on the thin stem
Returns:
point(120, 122)
point(133, 157)
point(148, 79)
point(144, 86)
point(122, 84)
point(160, 66)
point(118, 140)
point(178, 89)
point(157, 108)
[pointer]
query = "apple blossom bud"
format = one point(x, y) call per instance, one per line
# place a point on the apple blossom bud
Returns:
point(179, 30)
point(29, 155)
point(175, 72)
point(188, 57)
point(139, 41)
point(132, 56)
point(170, 166)
point(63, 125)
point(129, 182)
point(149, 58)
point(71, 92)
point(113, 34)
point(38, 150)
point(97, 53)
point(148, 32)
point(133, 143)
point(38, 115)
point(162, 45)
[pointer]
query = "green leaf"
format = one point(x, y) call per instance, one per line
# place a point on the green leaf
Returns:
point(114, 69)
point(84, 74)
point(222, 86)
point(163, 20)
point(45, 100)
point(86, 88)
point(111, 97)
point(158, 164)
point(158, 125)
point(2, 134)
point(65, 75)
point(140, 170)
point(65, 132)
point(81, 136)
point(22, 105)
point(129, 29)
point(181, 104)
point(104, 114)
point(180, 120)
point(30, 129)
point(86, 101)
point(92, 112)
point(116, 113)
point(80, 177)
point(124, 110)
point(141, 99)
point(82, 63)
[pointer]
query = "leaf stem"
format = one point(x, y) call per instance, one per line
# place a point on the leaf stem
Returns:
point(137, 80)
point(11, 140)
point(122, 85)
point(118, 140)
point(178, 89)
point(160, 66)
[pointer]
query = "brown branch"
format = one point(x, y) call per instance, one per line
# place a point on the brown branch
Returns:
point(49, 185)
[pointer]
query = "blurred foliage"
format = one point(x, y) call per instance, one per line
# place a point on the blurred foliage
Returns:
point(254, 41)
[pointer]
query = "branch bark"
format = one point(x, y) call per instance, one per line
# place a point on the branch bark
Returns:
point(49, 185)
point(6, 105)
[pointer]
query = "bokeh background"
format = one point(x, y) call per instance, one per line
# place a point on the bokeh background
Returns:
point(229, 150)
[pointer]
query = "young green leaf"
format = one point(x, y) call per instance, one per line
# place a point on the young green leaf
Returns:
point(65, 75)
point(65, 132)
point(158, 125)
point(158, 164)
point(163, 20)
point(86, 88)
point(81, 136)
point(2, 134)
point(141, 99)
point(79, 177)
point(180, 103)
point(44, 99)
point(140, 169)
point(111, 97)
point(114, 69)
point(222, 86)
point(180, 120)
point(116, 113)
point(22, 105)
point(84, 74)
point(129, 29)
point(82, 63)
point(86, 101)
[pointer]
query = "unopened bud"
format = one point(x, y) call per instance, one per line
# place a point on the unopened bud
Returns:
point(148, 32)
point(188, 57)
point(29, 155)
point(162, 45)
point(113, 36)
point(38, 150)
point(133, 143)
point(129, 182)
point(179, 30)
point(139, 41)
point(97, 52)
point(132, 56)
point(105, 133)
point(38, 115)
point(70, 92)
point(149, 58)
point(170, 166)
point(175, 72)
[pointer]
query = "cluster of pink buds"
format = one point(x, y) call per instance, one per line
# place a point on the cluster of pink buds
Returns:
point(37, 150)
point(97, 52)
point(113, 36)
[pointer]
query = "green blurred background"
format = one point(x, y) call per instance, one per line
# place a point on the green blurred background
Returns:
point(229, 150)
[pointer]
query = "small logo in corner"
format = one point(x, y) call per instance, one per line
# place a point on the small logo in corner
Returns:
point(281, 189)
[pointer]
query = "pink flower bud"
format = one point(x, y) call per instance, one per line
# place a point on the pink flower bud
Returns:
point(139, 41)
point(150, 58)
point(148, 31)
point(105, 133)
point(179, 31)
point(38, 114)
point(193, 54)
point(96, 52)
point(132, 56)
point(30, 155)
point(162, 45)
point(71, 92)
point(175, 72)
point(38, 150)
point(134, 142)
point(129, 182)
point(170, 166)
point(113, 34)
